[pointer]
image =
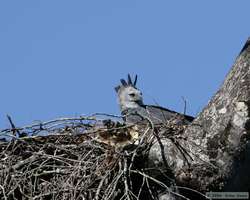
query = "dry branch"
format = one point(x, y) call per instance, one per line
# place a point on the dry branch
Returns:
point(80, 158)
point(216, 144)
point(99, 158)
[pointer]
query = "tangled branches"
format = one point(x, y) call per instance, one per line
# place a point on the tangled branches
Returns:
point(78, 158)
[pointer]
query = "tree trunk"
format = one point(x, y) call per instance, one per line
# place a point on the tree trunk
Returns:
point(215, 153)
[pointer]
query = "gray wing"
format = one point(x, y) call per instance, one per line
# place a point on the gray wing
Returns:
point(135, 115)
point(162, 115)
point(156, 114)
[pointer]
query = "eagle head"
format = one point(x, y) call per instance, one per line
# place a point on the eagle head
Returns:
point(128, 95)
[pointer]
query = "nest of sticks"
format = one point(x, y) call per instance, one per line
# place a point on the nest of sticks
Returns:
point(77, 158)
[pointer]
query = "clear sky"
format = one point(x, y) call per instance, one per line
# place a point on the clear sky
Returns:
point(63, 58)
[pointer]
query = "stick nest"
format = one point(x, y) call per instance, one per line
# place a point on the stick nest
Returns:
point(76, 158)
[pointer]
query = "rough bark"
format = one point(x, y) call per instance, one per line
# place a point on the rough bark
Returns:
point(217, 149)
point(89, 158)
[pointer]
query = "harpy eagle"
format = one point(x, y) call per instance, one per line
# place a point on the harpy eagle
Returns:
point(134, 110)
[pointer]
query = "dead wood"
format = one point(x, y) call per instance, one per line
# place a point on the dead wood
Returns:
point(96, 158)
point(213, 153)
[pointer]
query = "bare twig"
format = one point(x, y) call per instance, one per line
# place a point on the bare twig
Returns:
point(69, 162)
point(13, 127)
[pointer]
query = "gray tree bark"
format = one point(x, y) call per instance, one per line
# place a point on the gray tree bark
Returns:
point(217, 143)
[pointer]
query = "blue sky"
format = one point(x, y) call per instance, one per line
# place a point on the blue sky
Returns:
point(63, 58)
